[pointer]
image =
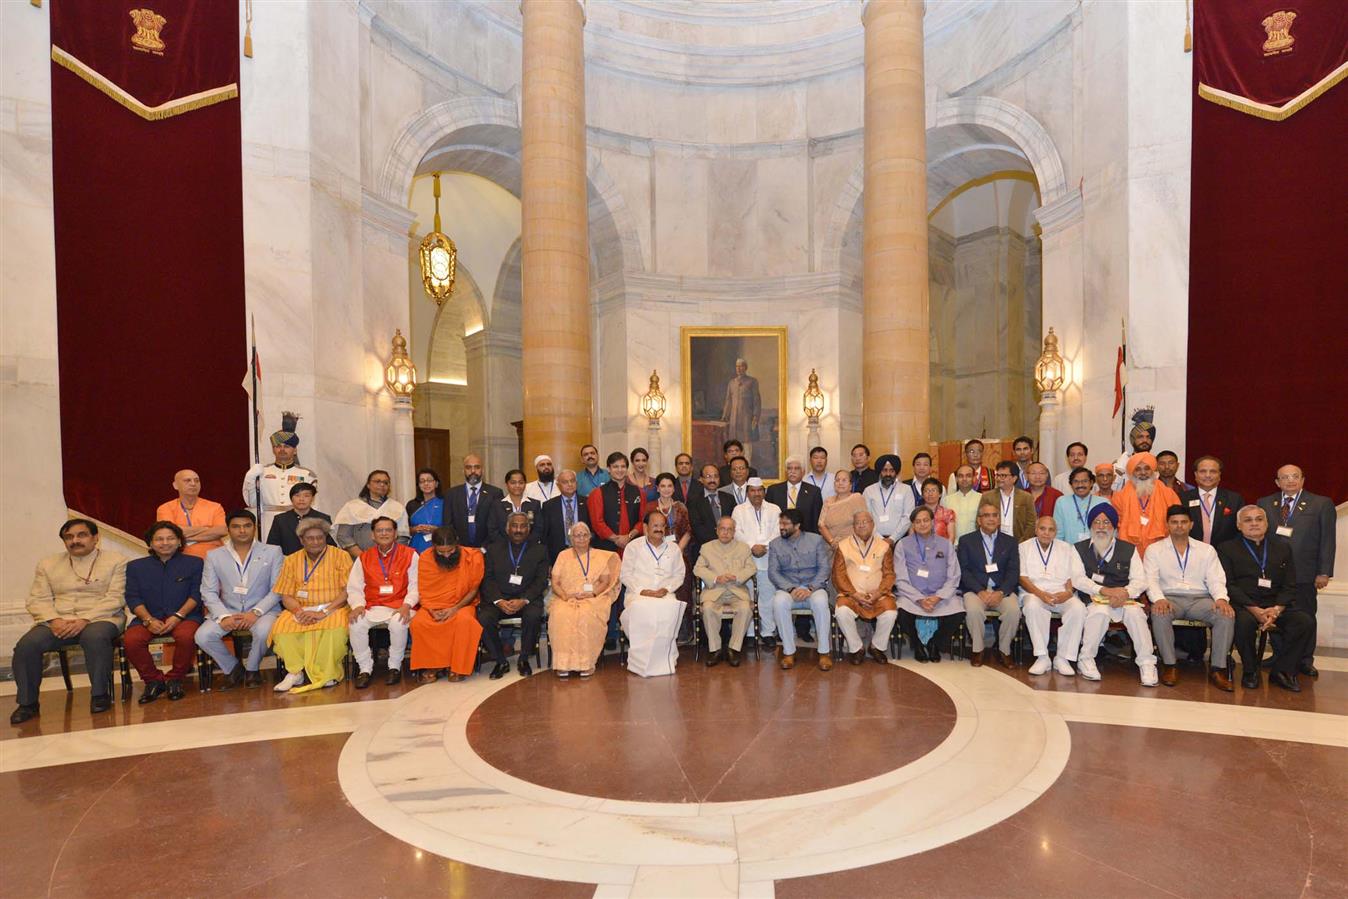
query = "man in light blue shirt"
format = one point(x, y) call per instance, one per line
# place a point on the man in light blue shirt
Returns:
point(236, 587)
point(799, 564)
point(590, 477)
point(889, 502)
point(1072, 512)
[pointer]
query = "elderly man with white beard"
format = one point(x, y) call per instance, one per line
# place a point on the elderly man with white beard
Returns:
point(1116, 578)
point(1142, 503)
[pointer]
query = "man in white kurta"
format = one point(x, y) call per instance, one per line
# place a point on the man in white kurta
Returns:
point(544, 486)
point(652, 571)
point(757, 525)
point(889, 502)
point(274, 481)
point(1048, 569)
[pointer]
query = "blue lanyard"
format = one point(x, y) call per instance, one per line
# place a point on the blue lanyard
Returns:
point(1183, 563)
point(1081, 511)
point(988, 544)
point(1007, 505)
point(1042, 557)
point(865, 553)
point(1290, 507)
point(1261, 562)
point(186, 514)
point(584, 566)
point(921, 548)
point(1206, 509)
point(383, 567)
point(514, 559)
point(1101, 560)
point(884, 501)
point(758, 513)
point(654, 556)
point(246, 562)
point(308, 572)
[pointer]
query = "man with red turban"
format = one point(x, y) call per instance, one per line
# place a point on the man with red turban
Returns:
point(1142, 502)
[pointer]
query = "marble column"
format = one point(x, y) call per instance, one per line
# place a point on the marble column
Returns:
point(554, 226)
point(895, 350)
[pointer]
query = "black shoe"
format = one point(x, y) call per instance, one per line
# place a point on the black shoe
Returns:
point(733, 658)
point(769, 642)
point(103, 703)
point(714, 658)
point(175, 690)
point(877, 655)
point(395, 676)
point(1251, 679)
point(1307, 667)
point(933, 653)
point(153, 690)
point(252, 679)
point(234, 679)
point(363, 679)
point(23, 713)
point(920, 652)
point(524, 668)
point(1287, 681)
point(856, 658)
point(500, 671)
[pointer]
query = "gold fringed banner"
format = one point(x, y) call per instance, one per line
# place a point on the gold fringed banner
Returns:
point(149, 113)
point(1264, 110)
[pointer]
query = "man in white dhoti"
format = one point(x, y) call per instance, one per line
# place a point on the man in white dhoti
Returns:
point(1049, 569)
point(274, 481)
point(652, 571)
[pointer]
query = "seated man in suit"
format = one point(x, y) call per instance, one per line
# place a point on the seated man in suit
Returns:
point(470, 505)
point(1112, 593)
point(725, 568)
point(1211, 506)
point(989, 578)
point(1261, 581)
point(559, 514)
point(795, 493)
point(512, 587)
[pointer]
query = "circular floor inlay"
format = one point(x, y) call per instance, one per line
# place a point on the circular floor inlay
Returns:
point(711, 735)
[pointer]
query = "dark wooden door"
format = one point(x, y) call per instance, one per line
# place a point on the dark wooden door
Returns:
point(430, 448)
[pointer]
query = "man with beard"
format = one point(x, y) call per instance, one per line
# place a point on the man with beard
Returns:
point(471, 503)
point(1116, 580)
point(1142, 503)
point(1141, 437)
point(706, 511)
point(1185, 580)
point(543, 488)
point(445, 629)
point(1167, 471)
point(887, 500)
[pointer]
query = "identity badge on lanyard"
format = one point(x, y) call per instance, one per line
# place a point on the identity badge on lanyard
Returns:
point(1044, 557)
point(1143, 517)
point(658, 557)
point(991, 566)
point(1285, 529)
point(303, 592)
point(585, 571)
point(516, 579)
point(884, 502)
point(1099, 576)
point(865, 553)
point(241, 588)
point(1265, 581)
point(1183, 564)
point(386, 588)
point(922, 571)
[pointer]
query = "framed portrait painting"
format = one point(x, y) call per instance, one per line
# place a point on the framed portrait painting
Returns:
point(734, 384)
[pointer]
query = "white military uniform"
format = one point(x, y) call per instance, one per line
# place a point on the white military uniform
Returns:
point(275, 483)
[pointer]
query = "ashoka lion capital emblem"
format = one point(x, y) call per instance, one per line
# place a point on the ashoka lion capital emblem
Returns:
point(148, 24)
point(1279, 29)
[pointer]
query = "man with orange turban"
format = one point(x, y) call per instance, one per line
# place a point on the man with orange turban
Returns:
point(1142, 502)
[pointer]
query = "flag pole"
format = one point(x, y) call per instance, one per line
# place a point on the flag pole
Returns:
point(257, 422)
point(1123, 408)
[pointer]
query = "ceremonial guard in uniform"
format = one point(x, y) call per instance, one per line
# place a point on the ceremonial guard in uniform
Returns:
point(274, 481)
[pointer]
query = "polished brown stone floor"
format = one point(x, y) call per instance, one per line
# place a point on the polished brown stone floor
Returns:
point(712, 734)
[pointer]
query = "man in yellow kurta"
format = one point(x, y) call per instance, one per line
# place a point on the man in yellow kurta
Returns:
point(1142, 503)
point(310, 635)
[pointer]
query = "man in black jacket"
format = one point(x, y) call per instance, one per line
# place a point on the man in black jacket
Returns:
point(1261, 581)
point(558, 515)
point(282, 531)
point(512, 587)
point(704, 512)
point(795, 493)
point(1211, 506)
point(471, 504)
point(990, 579)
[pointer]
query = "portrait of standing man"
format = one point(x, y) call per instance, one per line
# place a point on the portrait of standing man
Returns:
point(742, 408)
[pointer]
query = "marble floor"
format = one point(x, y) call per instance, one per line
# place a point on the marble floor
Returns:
point(899, 779)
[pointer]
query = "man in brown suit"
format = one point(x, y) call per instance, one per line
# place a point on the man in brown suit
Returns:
point(1016, 505)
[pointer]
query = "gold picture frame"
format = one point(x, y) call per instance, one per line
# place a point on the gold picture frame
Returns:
point(704, 354)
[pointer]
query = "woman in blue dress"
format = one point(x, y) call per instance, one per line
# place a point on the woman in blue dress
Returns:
point(427, 511)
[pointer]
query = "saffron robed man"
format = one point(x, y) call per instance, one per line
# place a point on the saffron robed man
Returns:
point(201, 521)
point(382, 589)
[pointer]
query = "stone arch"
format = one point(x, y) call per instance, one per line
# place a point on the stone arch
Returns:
point(969, 133)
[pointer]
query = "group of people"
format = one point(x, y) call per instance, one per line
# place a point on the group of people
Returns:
point(601, 551)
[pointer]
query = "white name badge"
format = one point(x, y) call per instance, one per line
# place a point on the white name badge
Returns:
point(302, 594)
point(864, 567)
point(1144, 519)
point(990, 568)
point(1184, 585)
point(516, 580)
point(1266, 583)
point(922, 572)
point(1284, 531)
point(670, 538)
point(1193, 503)
point(385, 589)
point(241, 589)
point(884, 517)
point(472, 519)
point(1098, 578)
point(587, 588)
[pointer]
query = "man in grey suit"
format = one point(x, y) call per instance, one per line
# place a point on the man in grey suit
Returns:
point(1306, 519)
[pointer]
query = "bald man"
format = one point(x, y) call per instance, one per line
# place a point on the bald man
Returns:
point(202, 521)
point(468, 506)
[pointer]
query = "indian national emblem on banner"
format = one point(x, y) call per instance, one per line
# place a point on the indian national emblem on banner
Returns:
point(148, 24)
point(1279, 28)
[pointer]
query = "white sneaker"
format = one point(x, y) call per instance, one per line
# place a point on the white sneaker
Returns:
point(1149, 675)
point(1064, 667)
point(1086, 668)
point(331, 683)
point(1041, 665)
point(290, 681)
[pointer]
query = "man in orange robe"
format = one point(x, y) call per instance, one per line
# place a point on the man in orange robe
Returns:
point(445, 631)
point(1142, 503)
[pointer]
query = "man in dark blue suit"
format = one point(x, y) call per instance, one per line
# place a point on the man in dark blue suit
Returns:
point(989, 577)
point(559, 514)
point(470, 504)
point(1211, 506)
